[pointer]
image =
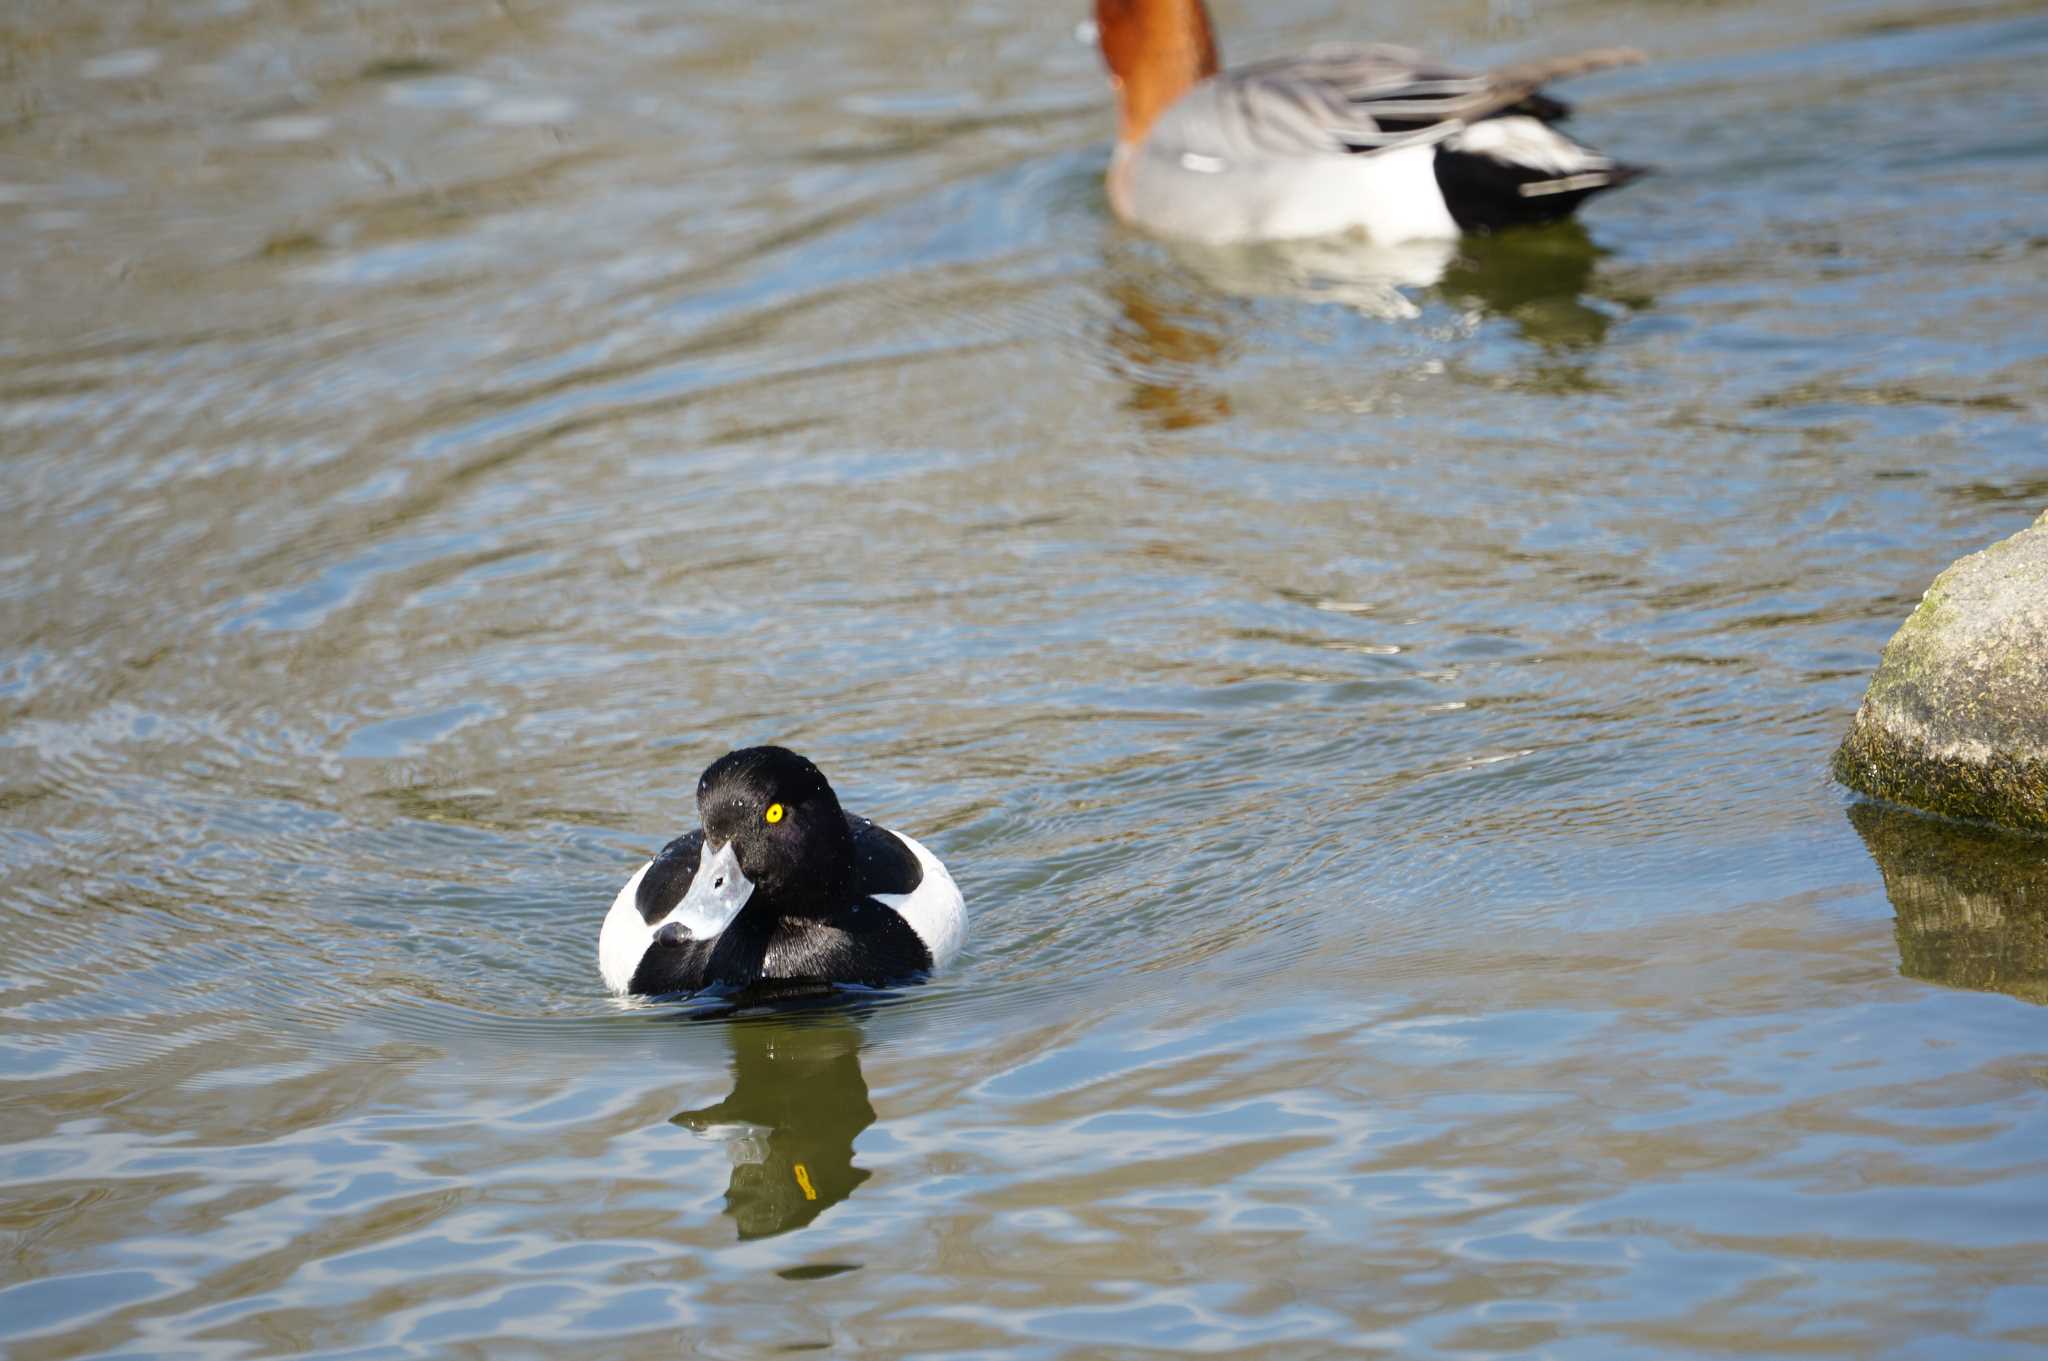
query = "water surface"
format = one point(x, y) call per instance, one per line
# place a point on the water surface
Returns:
point(1380, 727)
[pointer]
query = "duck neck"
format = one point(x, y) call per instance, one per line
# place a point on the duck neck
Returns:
point(740, 957)
point(1157, 51)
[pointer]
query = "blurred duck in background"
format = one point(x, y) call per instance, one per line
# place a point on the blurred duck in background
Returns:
point(1341, 139)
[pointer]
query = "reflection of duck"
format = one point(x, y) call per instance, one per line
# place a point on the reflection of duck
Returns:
point(798, 1102)
point(1972, 902)
point(1541, 280)
point(1164, 342)
point(1364, 276)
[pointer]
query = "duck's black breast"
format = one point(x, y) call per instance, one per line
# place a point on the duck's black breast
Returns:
point(863, 942)
point(860, 940)
point(857, 941)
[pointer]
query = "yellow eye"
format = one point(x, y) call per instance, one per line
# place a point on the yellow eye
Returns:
point(773, 815)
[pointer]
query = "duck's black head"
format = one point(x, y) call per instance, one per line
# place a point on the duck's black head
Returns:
point(783, 823)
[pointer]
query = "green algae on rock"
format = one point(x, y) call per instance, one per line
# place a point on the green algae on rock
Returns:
point(1956, 719)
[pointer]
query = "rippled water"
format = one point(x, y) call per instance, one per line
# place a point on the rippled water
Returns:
point(1380, 727)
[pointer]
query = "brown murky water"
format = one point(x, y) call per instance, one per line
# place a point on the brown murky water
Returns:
point(1378, 715)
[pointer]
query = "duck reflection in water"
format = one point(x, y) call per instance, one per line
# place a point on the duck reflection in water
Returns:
point(1164, 342)
point(1172, 331)
point(798, 1101)
point(1546, 281)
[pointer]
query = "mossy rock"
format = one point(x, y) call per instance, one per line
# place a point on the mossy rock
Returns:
point(1972, 902)
point(1956, 719)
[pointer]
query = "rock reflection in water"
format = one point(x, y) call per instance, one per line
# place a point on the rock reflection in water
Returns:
point(798, 1101)
point(1972, 902)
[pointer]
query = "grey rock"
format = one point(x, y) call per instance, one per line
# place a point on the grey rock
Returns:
point(1956, 719)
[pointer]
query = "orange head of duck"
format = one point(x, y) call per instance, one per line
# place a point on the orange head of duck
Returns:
point(1156, 50)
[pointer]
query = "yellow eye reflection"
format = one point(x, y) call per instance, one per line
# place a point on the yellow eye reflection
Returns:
point(773, 815)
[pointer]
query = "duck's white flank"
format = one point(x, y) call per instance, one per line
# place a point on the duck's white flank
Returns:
point(1391, 196)
point(934, 909)
point(625, 936)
